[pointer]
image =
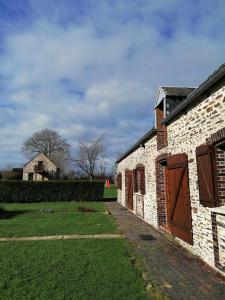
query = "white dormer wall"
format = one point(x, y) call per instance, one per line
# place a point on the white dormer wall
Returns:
point(161, 96)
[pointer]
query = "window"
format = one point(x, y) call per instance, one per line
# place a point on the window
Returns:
point(40, 163)
point(139, 179)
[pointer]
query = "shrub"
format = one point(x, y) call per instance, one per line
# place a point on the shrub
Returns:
point(13, 174)
point(50, 191)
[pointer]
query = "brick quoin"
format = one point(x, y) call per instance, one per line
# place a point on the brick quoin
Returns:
point(220, 178)
point(160, 189)
point(161, 138)
point(218, 136)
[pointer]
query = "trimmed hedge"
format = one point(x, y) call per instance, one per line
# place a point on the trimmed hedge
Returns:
point(50, 191)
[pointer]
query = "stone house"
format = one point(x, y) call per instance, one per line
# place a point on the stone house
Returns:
point(40, 168)
point(174, 176)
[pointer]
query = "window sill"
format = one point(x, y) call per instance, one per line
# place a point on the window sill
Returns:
point(219, 210)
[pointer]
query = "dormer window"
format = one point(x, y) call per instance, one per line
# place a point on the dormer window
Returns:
point(168, 99)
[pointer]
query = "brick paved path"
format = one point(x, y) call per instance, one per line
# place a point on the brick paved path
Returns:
point(170, 270)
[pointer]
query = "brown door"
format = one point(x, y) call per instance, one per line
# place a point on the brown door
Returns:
point(178, 198)
point(129, 189)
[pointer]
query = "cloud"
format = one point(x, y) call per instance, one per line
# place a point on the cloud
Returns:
point(85, 68)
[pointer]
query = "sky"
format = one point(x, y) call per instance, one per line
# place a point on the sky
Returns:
point(90, 67)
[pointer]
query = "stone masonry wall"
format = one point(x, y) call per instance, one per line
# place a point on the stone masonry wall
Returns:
point(184, 135)
point(190, 130)
point(145, 156)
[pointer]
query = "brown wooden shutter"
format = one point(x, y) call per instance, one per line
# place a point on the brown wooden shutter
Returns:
point(204, 158)
point(142, 183)
point(135, 180)
point(117, 181)
point(120, 181)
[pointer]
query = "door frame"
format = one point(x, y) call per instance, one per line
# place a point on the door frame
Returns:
point(180, 232)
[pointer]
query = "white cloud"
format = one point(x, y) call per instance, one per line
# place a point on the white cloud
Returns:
point(84, 74)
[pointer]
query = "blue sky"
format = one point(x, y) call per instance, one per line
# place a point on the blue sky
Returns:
point(86, 68)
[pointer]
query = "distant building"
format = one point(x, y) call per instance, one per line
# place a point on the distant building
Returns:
point(40, 168)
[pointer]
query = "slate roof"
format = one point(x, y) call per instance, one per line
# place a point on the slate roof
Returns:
point(177, 91)
point(193, 97)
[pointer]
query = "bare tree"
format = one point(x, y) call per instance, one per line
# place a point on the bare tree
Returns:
point(90, 158)
point(48, 142)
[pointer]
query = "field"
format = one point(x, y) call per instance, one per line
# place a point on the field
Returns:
point(39, 219)
point(65, 269)
point(110, 193)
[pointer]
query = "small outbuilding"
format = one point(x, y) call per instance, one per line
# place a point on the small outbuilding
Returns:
point(40, 168)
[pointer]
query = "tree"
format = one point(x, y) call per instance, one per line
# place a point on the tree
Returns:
point(50, 143)
point(9, 173)
point(90, 158)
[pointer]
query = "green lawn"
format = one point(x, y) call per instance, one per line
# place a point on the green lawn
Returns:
point(65, 269)
point(84, 269)
point(57, 206)
point(111, 192)
point(28, 220)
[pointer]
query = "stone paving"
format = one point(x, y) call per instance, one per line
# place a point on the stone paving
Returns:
point(170, 270)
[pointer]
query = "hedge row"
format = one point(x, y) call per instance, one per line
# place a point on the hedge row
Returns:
point(50, 191)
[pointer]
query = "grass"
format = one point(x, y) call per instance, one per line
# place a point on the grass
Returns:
point(66, 269)
point(57, 206)
point(84, 269)
point(28, 220)
point(111, 192)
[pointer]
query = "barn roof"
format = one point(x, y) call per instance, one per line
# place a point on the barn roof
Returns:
point(177, 91)
point(172, 92)
point(37, 156)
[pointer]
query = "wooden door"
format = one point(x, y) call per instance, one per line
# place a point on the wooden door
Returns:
point(129, 189)
point(178, 198)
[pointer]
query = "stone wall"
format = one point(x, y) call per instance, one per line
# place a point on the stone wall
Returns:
point(145, 156)
point(218, 232)
point(184, 135)
point(196, 126)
